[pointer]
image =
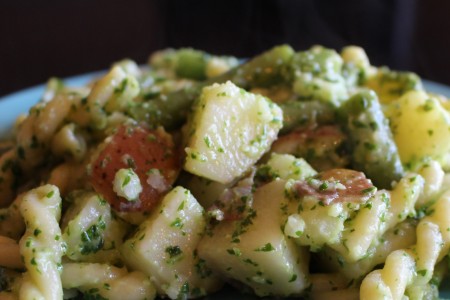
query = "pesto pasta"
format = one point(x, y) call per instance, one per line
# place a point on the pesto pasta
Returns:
point(309, 174)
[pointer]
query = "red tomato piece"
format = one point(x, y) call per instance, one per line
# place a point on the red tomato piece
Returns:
point(150, 153)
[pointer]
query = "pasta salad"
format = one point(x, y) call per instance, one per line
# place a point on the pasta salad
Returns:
point(307, 174)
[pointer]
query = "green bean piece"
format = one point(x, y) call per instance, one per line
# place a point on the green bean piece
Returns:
point(191, 64)
point(374, 150)
point(264, 70)
point(303, 113)
point(171, 110)
point(163, 59)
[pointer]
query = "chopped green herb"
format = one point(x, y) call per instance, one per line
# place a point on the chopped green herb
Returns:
point(266, 248)
point(177, 223)
point(173, 251)
point(92, 238)
point(122, 86)
point(234, 251)
point(422, 272)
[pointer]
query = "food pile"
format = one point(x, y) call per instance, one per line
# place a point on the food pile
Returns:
point(291, 174)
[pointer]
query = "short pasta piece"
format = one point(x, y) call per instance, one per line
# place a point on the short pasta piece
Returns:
point(106, 281)
point(392, 280)
point(91, 231)
point(67, 141)
point(42, 246)
point(408, 271)
point(113, 92)
point(68, 176)
point(403, 199)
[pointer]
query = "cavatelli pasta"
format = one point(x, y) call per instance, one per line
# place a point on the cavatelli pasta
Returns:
point(42, 246)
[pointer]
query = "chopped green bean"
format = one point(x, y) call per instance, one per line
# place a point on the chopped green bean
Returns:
point(191, 64)
point(266, 69)
point(374, 150)
point(298, 113)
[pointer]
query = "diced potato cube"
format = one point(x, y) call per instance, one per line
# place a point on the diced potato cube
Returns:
point(329, 91)
point(255, 251)
point(421, 128)
point(357, 56)
point(286, 166)
point(390, 85)
point(316, 226)
point(164, 248)
point(204, 190)
point(230, 130)
point(317, 73)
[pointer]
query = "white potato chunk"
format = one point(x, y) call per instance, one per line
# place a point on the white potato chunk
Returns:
point(255, 251)
point(164, 248)
point(286, 166)
point(357, 56)
point(230, 130)
point(204, 190)
point(421, 128)
point(126, 184)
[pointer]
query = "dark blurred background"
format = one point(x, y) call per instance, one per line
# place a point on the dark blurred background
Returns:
point(39, 39)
